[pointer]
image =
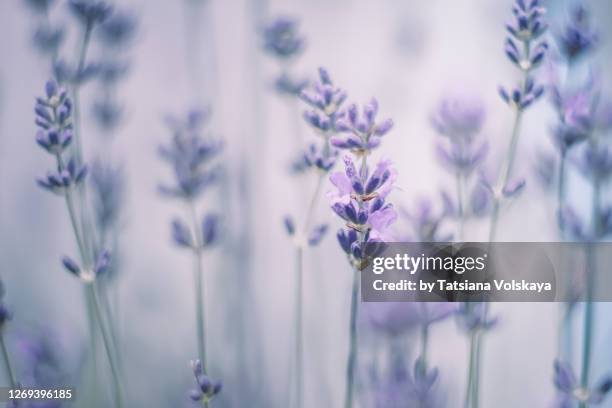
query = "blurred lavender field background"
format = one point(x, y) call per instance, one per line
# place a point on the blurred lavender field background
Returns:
point(209, 54)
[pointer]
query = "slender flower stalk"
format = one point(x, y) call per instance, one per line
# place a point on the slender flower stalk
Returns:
point(360, 202)
point(325, 100)
point(190, 155)
point(55, 135)
point(528, 25)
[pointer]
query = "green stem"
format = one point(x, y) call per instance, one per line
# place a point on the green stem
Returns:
point(469, 394)
point(8, 367)
point(107, 345)
point(299, 341)
point(198, 280)
point(352, 355)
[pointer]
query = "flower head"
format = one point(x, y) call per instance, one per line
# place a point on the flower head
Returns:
point(282, 38)
point(361, 133)
point(190, 155)
point(577, 38)
point(207, 388)
point(359, 200)
point(528, 23)
point(90, 12)
point(318, 157)
point(39, 6)
point(108, 188)
point(458, 118)
point(118, 29)
point(64, 179)
point(426, 221)
point(326, 100)
point(47, 39)
point(396, 318)
point(522, 97)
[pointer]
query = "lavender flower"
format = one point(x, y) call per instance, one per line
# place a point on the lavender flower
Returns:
point(190, 155)
point(426, 221)
point(326, 101)
point(108, 185)
point(90, 12)
point(107, 114)
point(566, 382)
point(64, 179)
point(282, 39)
point(458, 118)
point(577, 37)
point(287, 85)
point(206, 387)
point(401, 389)
point(48, 39)
point(397, 318)
point(361, 132)
point(76, 76)
point(527, 26)
point(117, 30)
point(318, 157)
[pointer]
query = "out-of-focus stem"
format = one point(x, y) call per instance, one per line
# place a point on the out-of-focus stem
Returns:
point(460, 181)
point(299, 295)
point(352, 355)
point(107, 345)
point(8, 367)
point(471, 370)
point(198, 279)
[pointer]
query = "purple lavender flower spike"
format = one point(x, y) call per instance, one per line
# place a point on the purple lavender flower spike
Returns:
point(316, 156)
point(71, 266)
point(66, 73)
point(48, 39)
point(107, 185)
point(190, 155)
point(596, 162)
point(397, 318)
point(513, 188)
point(459, 119)
point(90, 12)
point(181, 234)
point(103, 263)
point(117, 30)
point(107, 114)
point(360, 133)
point(206, 387)
point(326, 101)
point(59, 182)
point(282, 39)
point(426, 222)
point(577, 38)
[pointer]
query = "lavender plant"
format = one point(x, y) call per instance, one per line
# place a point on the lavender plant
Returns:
point(325, 100)
point(283, 41)
point(524, 49)
point(460, 120)
point(207, 388)
point(54, 118)
point(360, 201)
point(190, 155)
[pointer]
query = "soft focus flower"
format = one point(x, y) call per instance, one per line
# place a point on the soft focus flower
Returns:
point(326, 100)
point(458, 118)
point(596, 162)
point(107, 114)
point(401, 389)
point(207, 388)
point(396, 318)
point(361, 133)
point(287, 85)
point(426, 221)
point(90, 12)
point(527, 23)
point(282, 39)
point(566, 382)
point(315, 156)
point(577, 37)
point(190, 155)
point(65, 73)
point(117, 30)
point(108, 188)
point(48, 39)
